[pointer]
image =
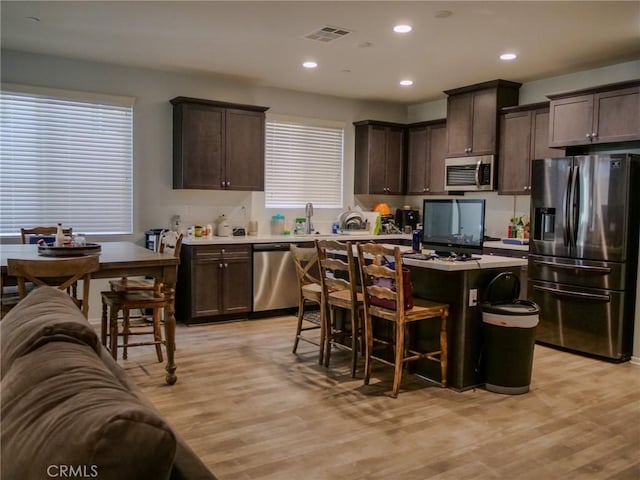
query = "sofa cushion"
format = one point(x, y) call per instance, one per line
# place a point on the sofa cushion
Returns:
point(62, 408)
point(45, 315)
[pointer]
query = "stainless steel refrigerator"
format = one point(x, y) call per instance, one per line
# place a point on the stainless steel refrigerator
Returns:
point(585, 215)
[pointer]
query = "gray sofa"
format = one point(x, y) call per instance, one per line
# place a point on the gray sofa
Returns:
point(69, 411)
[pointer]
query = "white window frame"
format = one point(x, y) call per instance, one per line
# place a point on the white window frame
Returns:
point(298, 173)
point(72, 163)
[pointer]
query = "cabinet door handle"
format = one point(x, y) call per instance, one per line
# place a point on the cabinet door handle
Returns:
point(588, 135)
point(228, 184)
point(222, 183)
point(427, 189)
point(226, 265)
point(594, 134)
point(220, 266)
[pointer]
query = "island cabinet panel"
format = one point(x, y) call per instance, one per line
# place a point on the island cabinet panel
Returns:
point(379, 158)
point(524, 133)
point(472, 116)
point(427, 146)
point(606, 114)
point(217, 145)
point(213, 281)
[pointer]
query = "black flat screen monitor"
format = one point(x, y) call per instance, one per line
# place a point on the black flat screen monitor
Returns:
point(453, 227)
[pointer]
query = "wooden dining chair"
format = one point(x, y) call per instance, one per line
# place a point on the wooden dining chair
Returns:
point(309, 293)
point(340, 290)
point(25, 233)
point(384, 298)
point(59, 272)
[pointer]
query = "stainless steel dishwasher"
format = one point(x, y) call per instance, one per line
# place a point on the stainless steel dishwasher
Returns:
point(275, 285)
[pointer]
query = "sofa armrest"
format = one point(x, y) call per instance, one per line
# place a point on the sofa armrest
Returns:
point(187, 465)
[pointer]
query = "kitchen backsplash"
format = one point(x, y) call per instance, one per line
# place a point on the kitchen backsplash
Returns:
point(240, 207)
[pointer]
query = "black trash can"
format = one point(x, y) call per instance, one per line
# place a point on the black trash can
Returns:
point(509, 336)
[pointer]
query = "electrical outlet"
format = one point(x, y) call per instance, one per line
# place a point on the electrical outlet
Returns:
point(473, 297)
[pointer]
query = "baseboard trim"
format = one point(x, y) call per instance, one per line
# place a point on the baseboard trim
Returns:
point(635, 360)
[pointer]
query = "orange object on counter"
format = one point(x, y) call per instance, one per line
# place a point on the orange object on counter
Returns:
point(382, 209)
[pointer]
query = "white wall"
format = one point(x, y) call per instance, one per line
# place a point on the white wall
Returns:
point(155, 201)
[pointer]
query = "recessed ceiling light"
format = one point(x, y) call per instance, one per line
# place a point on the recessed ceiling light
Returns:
point(406, 83)
point(508, 56)
point(402, 28)
point(309, 64)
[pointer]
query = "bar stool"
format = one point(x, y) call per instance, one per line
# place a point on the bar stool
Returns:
point(128, 294)
point(309, 293)
point(125, 302)
point(384, 298)
point(340, 290)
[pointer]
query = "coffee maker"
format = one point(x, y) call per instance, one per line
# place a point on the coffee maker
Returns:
point(407, 217)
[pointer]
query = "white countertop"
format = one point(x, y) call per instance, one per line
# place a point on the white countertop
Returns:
point(506, 246)
point(290, 238)
point(481, 263)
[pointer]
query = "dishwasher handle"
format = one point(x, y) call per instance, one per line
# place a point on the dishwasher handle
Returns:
point(271, 247)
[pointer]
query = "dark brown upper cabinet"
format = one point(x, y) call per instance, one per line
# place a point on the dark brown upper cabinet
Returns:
point(217, 145)
point(524, 136)
point(606, 114)
point(379, 158)
point(426, 151)
point(472, 116)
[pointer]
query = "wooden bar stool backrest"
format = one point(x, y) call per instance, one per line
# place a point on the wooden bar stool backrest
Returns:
point(380, 281)
point(170, 242)
point(306, 263)
point(335, 273)
point(61, 273)
point(26, 232)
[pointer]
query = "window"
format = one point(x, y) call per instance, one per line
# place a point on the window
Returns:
point(303, 163)
point(65, 157)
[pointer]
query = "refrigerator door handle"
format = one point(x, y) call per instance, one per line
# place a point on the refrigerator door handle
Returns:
point(584, 268)
point(574, 207)
point(566, 207)
point(567, 293)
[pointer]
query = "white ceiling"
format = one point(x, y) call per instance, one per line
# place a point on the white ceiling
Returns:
point(263, 42)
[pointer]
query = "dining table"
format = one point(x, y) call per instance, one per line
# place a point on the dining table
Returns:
point(118, 259)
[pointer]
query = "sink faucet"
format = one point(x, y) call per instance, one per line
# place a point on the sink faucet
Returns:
point(308, 213)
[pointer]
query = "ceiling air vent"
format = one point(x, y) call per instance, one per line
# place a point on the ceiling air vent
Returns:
point(327, 34)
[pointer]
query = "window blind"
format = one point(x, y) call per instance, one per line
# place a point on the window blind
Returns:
point(65, 160)
point(303, 163)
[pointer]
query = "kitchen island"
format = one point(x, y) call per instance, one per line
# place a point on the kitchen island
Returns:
point(462, 285)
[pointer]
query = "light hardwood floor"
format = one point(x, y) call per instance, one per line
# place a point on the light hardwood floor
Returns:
point(251, 409)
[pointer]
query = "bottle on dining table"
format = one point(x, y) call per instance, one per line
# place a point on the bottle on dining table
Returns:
point(59, 242)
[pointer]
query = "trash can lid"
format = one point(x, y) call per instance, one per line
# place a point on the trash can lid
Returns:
point(504, 288)
point(516, 308)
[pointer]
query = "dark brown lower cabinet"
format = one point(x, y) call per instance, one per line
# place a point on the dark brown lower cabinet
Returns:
point(214, 282)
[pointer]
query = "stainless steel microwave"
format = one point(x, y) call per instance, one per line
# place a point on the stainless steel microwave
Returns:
point(467, 174)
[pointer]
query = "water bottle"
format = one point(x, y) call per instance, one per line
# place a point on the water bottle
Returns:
point(416, 241)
